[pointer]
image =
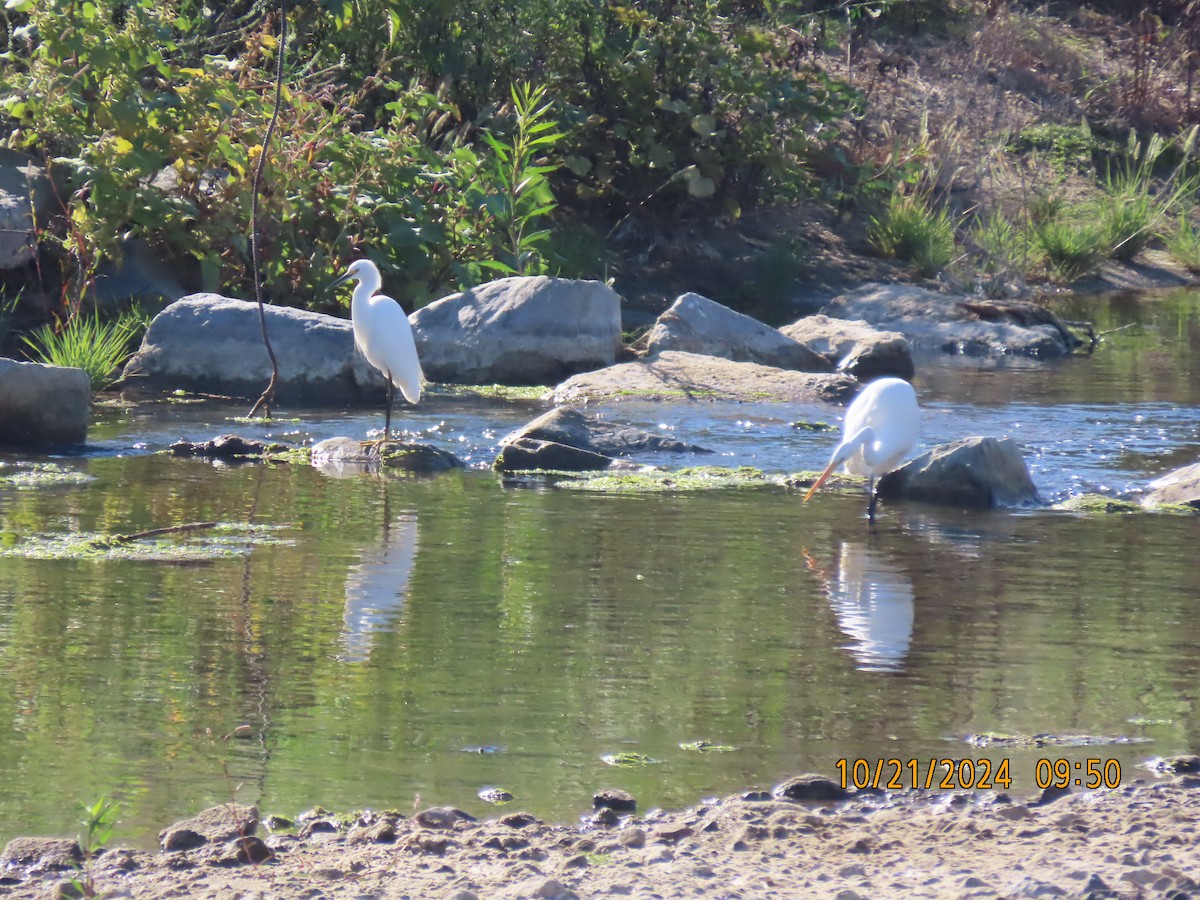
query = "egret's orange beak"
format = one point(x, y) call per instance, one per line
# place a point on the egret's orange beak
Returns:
point(820, 481)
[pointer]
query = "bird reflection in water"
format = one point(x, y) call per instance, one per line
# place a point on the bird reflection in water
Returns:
point(872, 598)
point(377, 587)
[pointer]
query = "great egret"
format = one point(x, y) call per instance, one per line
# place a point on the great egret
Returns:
point(881, 427)
point(383, 335)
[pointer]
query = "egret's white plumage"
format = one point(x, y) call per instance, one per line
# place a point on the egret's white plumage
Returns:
point(881, 427)
point(383, 335)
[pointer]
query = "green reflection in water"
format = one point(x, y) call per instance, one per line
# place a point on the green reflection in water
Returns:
point(407, 622)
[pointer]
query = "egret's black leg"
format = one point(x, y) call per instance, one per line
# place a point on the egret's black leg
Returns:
point(387, 422)
point(873, 501)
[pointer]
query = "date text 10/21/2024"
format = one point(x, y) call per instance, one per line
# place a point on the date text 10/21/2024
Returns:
point(948, 773)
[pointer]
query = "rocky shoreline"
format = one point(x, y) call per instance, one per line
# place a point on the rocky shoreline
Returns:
point(1138, 840)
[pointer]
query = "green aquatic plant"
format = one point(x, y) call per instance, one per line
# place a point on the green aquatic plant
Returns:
point(698, 478)
point(706, 747)
point(31, 476)
point(628, 760)
point(195, 542)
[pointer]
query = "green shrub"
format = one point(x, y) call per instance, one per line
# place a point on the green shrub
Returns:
point(911, 229)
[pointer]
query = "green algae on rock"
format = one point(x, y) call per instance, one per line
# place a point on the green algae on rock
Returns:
point(213, 541)
point(31, 476)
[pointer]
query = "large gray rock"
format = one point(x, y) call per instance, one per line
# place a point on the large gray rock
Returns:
point(855, 347)
point(960, 325)
point(521, 330)
point(43, 406)
point(1179, 486)
point(25, 198)
point(212, 344)
point(565, 438)
point(695, 324)
point(689, 376)
point(974, 472)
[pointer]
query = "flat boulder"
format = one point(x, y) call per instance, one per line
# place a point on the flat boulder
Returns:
point(966, 326)
point(855, 347)
point(1181, 486)
point(43, 406)
point(695, 324)
point(206, 343)
point(974, 473)
point(672, 375)
point(565, 438)
point(519, 330)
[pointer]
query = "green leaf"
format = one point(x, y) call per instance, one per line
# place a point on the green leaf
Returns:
point(704, 125)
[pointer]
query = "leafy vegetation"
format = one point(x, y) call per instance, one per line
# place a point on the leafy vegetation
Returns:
point(99, 819)
point(451, 143)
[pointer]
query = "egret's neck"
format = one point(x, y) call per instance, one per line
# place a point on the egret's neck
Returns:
point(368, 285)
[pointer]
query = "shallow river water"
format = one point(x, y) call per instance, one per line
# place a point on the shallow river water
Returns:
point(403, 642)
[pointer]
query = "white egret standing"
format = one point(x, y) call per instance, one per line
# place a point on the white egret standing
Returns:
point(383, 335)
point(881, 427)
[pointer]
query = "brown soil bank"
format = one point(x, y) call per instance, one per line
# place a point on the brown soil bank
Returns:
point(1136, 841)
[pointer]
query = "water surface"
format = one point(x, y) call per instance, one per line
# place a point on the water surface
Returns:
point(400, 642)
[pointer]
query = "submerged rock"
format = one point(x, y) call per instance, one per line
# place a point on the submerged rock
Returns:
point(695, 324)
point(520, 330)
point(227, 446)
point(43, 406)
point(523, 454)
point(975, 472)
point(960, 325)
point(566, 439)
point(672, 375)
point(346, 455)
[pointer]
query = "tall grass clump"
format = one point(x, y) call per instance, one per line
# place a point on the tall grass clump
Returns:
point(1072, 249)
point(912, 229)
point(1133, 205)
point(1184, 245)
point(1006, 247)
point(98, 347)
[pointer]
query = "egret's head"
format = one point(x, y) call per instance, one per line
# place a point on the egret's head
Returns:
point(360, 270)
